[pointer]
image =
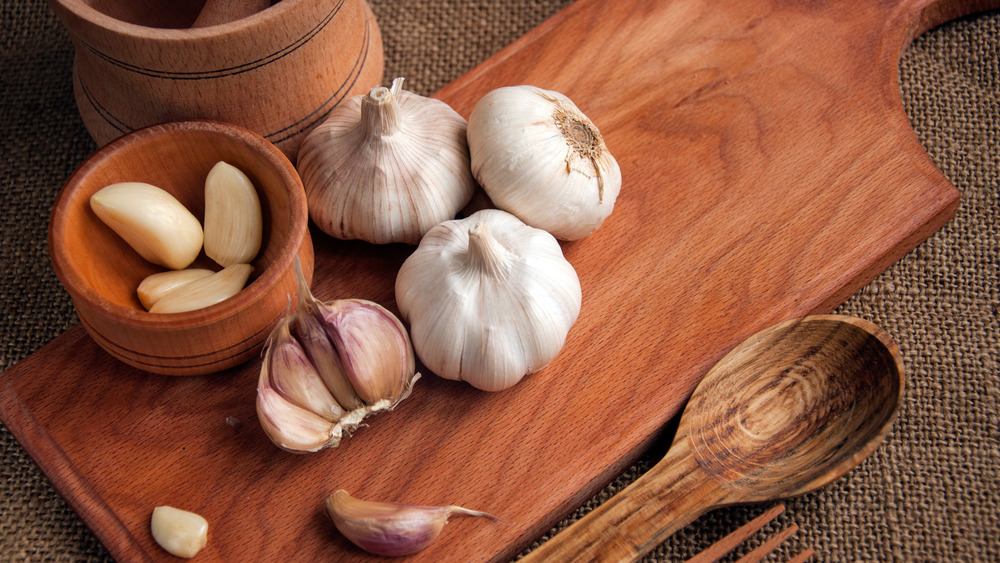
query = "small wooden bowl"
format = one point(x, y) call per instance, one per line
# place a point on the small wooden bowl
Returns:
point(101, 271)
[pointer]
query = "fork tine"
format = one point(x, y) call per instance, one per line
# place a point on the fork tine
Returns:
point(803, 557)
point(720, 548)
point(768, 546)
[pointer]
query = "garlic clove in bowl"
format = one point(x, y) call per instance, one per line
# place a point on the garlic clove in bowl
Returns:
point(151, 221)
point(488, 298)
point(537, 156)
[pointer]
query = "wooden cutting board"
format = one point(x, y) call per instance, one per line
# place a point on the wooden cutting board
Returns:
point(769, 172)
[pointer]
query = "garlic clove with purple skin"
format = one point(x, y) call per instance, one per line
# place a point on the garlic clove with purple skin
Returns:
point(375, 350)
point(319, 354)
point(293, 375)
point(388, 528)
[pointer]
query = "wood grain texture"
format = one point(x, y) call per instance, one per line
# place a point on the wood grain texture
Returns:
point(770, 172)
point(277, 72)
point(216, 12)
point(789, 410)
point(721, 548)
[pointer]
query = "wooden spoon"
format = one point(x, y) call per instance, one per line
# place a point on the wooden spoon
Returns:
point(786, 412)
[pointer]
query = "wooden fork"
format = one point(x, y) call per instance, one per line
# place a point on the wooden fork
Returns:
point(720, 548)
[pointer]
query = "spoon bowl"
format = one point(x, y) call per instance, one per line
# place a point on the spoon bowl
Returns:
point(788, 411)
point(805, 402)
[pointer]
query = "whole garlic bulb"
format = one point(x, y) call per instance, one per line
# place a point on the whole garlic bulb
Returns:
point(386, 167)
point(539, 157)
point(488, 298)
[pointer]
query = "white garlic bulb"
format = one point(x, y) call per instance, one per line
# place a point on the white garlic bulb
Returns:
point(488, 298)
point(386, 167)
point(539, 157)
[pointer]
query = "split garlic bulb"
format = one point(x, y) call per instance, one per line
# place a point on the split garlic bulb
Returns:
point(488, 298)
point(327, 367)
point(539, 157)
point(386, 167)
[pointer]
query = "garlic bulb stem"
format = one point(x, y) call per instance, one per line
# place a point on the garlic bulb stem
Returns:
point(380, 113)
point(486, 254)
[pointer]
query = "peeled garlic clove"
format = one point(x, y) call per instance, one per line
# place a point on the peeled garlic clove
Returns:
point(155, 286)
point(204, 292)
point(539, 157)
point(390, 529)
point(374, 349)
point(233, 222)
point(488, 299)
point(294, 377)
point(386, 167)
point(151, 221)
point(181, 533)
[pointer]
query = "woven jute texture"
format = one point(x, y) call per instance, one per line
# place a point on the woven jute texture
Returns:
point(930, 493)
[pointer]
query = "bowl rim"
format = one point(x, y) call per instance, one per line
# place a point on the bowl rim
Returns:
point(274, 14)
point(253, 293)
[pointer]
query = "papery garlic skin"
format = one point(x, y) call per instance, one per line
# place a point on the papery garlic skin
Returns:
point(488, 299)
point(152, 221)
point(540, 158)
point(327, 366)
point(386, 167)
point(388, 528)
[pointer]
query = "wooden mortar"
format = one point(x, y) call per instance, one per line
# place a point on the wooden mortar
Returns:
point(277, 72)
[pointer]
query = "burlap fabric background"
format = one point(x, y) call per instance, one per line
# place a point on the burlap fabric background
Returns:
point(930, 493)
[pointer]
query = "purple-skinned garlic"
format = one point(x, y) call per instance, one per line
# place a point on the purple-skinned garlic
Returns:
point(389, 528)
point(328, 366)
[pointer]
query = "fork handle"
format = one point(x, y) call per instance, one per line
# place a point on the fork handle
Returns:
point(671, 495)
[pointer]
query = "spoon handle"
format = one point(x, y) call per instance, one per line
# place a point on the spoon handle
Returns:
point(666, 498)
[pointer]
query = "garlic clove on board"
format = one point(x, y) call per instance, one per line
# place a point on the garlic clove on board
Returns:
point(537, 156)
point(205, 291)
point(386, 167)
point(153, 287)
point(388, 528)
point(233, 221)
point(179, 532)
point(289, 426)
point(488, 299)
point(367, 350)
point(151, 221)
